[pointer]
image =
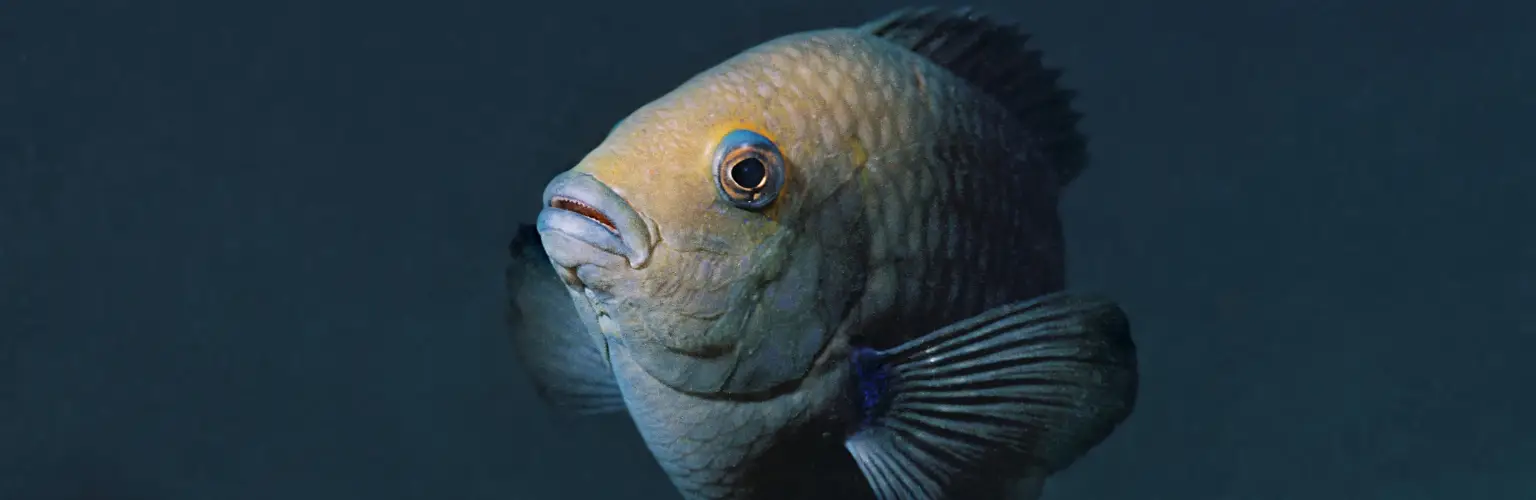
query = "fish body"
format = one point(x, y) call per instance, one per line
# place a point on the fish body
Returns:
point(832, 267)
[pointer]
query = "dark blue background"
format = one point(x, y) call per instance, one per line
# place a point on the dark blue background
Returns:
point(253, 250)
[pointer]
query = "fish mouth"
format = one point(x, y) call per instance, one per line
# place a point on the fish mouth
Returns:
point(585, 222)
point(573, 205)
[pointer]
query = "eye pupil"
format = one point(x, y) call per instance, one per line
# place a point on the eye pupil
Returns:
point(749, 173)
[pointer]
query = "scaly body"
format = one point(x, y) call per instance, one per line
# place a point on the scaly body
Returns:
point(775, 340)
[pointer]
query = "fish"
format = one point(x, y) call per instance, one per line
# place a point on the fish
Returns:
point(832, 266)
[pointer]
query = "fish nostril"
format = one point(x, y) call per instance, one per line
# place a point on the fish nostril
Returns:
point(584, 210)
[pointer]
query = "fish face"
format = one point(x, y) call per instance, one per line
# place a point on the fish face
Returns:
point(709, 233)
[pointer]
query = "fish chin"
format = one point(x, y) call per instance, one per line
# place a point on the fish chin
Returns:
point(574, 241)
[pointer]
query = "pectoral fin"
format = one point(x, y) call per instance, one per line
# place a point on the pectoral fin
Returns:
point(568, 364)
point(1027, 386)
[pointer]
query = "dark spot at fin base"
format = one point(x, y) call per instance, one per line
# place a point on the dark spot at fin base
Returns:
point(872, 381)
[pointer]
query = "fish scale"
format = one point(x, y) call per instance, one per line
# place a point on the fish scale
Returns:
point(985, 232)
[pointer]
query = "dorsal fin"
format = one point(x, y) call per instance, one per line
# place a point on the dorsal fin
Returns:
point(992, 56)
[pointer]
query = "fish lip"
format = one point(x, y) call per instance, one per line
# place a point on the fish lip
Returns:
point(580, 207)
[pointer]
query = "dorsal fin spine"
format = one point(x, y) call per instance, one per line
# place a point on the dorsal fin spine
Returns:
point(992, 56)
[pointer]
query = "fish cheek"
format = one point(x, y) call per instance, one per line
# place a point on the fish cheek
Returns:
point(783, 301)
point(819, 280)
point(775, 322)
point(670, 318)
point(790, 319)
point(678, 298)
point(701, 357)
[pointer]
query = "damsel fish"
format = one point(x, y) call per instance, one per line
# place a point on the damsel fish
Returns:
point(832, 267)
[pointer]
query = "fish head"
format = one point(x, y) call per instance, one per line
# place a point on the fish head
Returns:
point(709, 234)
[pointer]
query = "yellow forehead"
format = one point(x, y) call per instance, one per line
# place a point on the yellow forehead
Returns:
point(672, 140)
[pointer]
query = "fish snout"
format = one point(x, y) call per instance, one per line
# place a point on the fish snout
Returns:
point(586, 222)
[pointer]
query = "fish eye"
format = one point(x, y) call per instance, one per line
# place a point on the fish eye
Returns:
point(749, 170)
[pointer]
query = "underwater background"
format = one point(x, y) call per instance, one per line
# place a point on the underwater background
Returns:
point(254, 250)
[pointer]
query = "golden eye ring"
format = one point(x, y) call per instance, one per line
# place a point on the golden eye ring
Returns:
point(749, 170)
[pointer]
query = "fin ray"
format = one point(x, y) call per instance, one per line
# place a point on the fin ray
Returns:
point(1025, 387)
point(993, 57)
